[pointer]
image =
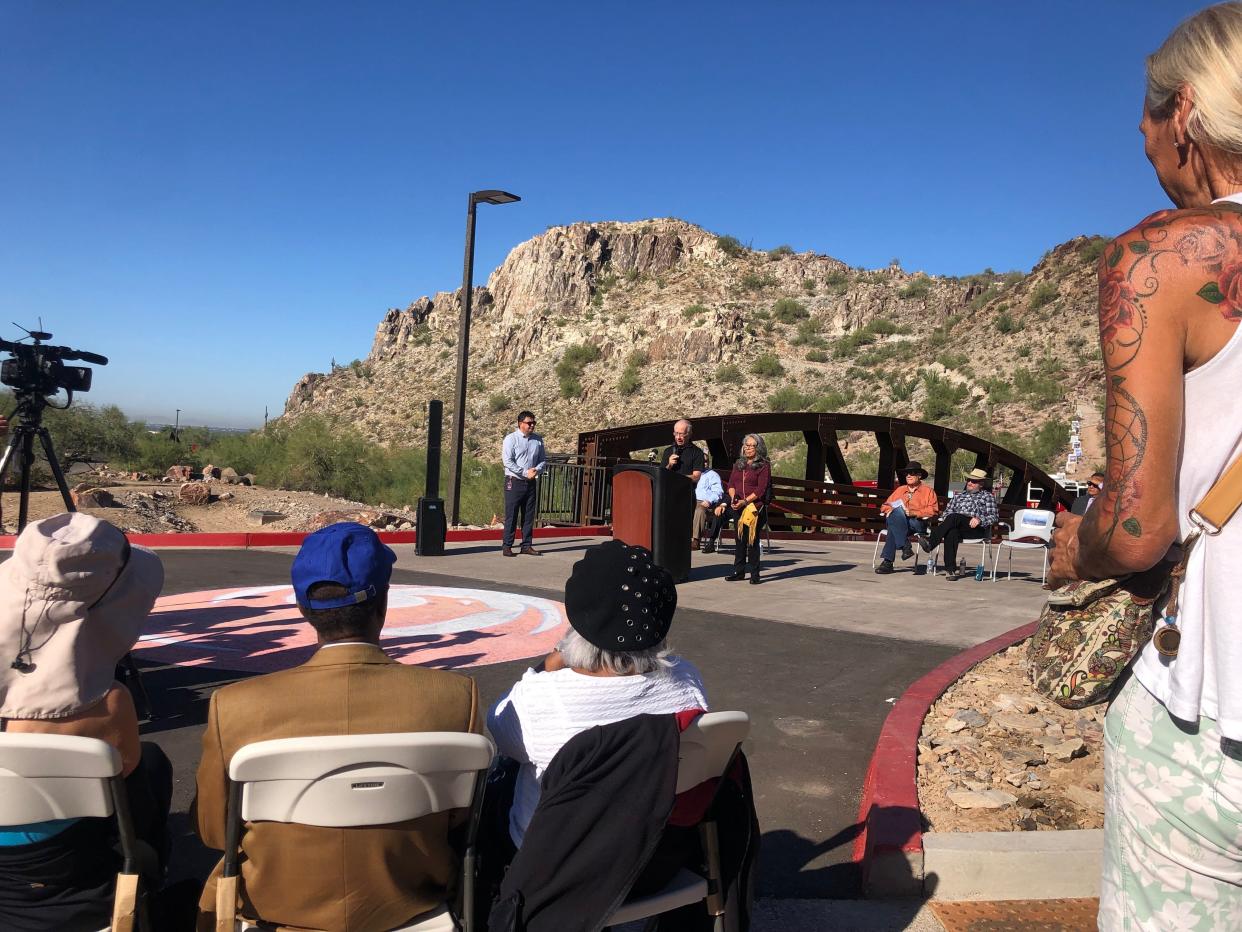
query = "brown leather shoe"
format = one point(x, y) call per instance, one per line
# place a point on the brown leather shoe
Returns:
point(508, 552)
point(530, 552)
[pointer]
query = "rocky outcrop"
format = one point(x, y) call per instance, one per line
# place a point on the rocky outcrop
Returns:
point(669, 305)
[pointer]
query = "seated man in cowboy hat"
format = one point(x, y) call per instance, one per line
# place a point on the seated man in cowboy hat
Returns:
point(906, 512)
point(970, 516)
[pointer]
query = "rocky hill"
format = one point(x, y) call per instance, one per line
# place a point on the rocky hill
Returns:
point(600, 324)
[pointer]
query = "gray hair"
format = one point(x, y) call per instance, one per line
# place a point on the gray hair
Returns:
point(580, 653)
point(761, 452)
point(1203, 53)
point(689, 426)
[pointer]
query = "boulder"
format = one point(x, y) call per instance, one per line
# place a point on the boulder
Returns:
point(981, 799)
point(261, 516)
point(380, 520)
point(229, 475)
point(195, 493)
point(211, 472)
point(178, 473)
point(90, 497)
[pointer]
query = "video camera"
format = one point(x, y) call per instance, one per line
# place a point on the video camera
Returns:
point(39, 369)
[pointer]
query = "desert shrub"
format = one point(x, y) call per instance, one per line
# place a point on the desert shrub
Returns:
point(753, 281)
point(837, 282)
point(730, 245)
point(768, 366)
point(569, 369)
point(880, 354)
point(1042, 388)
point(1041, 294)
point(833, 400)
point(999, 391)
point(979, 300)
point(882, 326)
point(1006, 324)
point(809, 286)
point(1049, 442)
point(497, 403)
point(789, 311)
point(903, 389)
point(788, 398)
point(942, 398)
point(1093, 250)
point(693, 310)
point(953, 360)
point(729, 374)
point(816, 355)
point(916, 288)
point(629, 382)
point(848, 344)
point(808, 334)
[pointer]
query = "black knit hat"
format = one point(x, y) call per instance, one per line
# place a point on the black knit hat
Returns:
point(618, 599)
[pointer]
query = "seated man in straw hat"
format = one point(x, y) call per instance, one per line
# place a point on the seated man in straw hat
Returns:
point(970, 516)
point(906, 513)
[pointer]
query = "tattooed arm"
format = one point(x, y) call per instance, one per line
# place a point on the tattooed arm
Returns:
point(1144, 278)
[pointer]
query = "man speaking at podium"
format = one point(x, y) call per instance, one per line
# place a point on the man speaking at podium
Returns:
point(683, 457)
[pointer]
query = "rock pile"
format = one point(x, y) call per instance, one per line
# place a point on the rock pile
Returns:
point(995, 757)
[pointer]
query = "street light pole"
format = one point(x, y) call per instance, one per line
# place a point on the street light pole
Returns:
point(463, 348)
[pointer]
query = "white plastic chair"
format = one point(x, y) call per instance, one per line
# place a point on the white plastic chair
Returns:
point(350, 780)
point(45, 777)
point(1032, 528)
point(707, 751)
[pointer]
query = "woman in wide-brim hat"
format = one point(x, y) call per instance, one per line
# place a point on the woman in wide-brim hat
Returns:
point(74, 597)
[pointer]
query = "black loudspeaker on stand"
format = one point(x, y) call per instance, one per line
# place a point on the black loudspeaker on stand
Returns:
point(432, 523)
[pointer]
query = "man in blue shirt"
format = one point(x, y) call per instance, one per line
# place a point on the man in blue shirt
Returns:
point(709, 495)
point(524, 458)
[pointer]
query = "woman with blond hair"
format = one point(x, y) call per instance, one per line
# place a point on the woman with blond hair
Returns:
point(1170, 305)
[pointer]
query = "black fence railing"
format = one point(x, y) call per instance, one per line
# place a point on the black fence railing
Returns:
point(575, 491)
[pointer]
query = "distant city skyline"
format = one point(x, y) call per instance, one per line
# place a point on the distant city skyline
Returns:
point(222, 197)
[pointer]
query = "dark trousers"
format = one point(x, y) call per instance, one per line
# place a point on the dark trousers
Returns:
point(66, 882)
point(900, 526)
point(745, 550)
point(520, 495)
point(954, 529)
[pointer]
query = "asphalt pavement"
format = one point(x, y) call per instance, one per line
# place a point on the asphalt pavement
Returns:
point(815, 658)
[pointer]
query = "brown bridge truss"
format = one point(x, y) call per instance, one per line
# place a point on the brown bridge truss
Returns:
point(800, 506)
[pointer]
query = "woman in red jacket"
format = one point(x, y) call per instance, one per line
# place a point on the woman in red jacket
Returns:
point(748, 485)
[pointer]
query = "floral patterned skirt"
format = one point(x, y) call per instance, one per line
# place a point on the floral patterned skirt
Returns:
point(1172, 820)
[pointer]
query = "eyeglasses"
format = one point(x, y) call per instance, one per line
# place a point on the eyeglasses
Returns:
point(1094, 485)
point(972, 479)
point(528, 423)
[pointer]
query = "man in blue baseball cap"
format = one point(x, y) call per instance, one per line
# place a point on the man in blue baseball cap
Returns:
point(335, 878)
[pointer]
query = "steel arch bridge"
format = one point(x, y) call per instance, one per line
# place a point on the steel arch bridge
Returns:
point(810, 504)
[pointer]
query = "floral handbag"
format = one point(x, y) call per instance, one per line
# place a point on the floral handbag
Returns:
point(1089, 632)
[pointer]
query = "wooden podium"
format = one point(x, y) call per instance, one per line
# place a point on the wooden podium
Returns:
point(653, 507)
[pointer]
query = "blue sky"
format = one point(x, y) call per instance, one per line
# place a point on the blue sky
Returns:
point(223, 196)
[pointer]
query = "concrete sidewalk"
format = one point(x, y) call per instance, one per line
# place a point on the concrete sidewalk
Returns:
point(819, 585)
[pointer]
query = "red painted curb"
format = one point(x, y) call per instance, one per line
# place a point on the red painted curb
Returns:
point(247, 539)
point(889, 811)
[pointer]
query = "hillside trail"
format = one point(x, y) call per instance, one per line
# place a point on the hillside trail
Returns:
point(1091, 434)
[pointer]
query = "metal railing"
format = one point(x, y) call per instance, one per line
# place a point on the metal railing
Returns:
point(576, 491)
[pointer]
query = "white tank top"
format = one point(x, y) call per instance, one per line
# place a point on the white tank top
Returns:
point(1205, 678)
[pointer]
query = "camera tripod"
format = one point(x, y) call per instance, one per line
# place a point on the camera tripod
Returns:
point(21, 445)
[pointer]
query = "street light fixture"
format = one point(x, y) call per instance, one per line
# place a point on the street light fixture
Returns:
point(463, 348)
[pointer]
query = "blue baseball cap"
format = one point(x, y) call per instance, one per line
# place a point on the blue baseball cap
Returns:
point(347, 554)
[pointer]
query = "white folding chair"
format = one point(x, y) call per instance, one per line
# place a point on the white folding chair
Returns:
point(340, 781)
point(1032, 528)
point(708, 749)
point(45, 777)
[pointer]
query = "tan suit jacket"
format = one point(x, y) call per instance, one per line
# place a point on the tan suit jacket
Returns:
point(356, 879)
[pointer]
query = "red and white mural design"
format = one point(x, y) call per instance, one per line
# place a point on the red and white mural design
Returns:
point(258, 629)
